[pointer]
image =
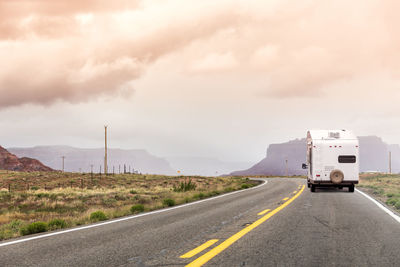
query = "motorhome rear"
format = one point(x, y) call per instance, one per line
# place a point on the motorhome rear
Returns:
point(332, 159)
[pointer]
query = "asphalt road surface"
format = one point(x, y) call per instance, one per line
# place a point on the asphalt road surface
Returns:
point(279, 223)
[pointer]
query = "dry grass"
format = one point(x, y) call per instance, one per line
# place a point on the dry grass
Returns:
point(72, 197)
point(385, 187)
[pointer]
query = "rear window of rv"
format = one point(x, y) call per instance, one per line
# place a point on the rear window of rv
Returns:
point(347, 159)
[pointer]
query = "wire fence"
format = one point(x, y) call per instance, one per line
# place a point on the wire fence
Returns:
point(86, 180)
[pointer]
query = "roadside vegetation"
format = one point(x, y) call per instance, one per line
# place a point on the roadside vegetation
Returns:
point(385, 187)
point(34, 202)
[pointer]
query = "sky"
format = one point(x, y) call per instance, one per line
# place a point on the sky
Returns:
point(208, 78)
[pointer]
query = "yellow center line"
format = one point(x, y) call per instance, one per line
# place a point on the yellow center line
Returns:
point(286, 198)
point(199, 249)
point(263, 212)
point(221, 247)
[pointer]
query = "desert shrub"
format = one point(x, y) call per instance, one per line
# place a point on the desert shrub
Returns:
point(81, 221)
point(15, 225)
point(396, 195)
point(185, 186)
point(34, 188)
point(22, 197)
point(42, 195)
point(133, 192)
point(53, 196)
point(378, 191)
point(213, 193)
point(98, 216)
point(24, 208)
point(57, 224)
point(397, 205)
point(120, 197)
point(391, 201)
point(169, 202)
point(10, 230)
point(144, 200)
point(109, 202)
point(245, 186)
point(228, 189)
point(199, 196)
point(33, 228)
point(137, 208)
point(5, 196)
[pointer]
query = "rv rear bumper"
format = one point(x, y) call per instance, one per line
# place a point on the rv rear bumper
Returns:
point(329, 183)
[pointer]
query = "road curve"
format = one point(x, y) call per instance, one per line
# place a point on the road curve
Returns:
point(298, 228)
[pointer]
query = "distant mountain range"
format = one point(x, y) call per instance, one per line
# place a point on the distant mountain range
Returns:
point(374, 156)
point(9, 161)
point(81, 159)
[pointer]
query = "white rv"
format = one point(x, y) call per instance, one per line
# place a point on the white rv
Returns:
point(332, 159)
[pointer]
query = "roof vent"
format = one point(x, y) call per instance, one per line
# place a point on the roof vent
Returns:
point(334, 135)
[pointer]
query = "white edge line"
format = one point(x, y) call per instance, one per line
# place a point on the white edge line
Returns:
point(388, 211)
point(126, 218)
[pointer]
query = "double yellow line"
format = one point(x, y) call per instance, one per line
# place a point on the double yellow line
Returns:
point(221, 247)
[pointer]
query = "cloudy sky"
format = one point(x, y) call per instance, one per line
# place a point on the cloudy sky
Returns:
point(207, 78)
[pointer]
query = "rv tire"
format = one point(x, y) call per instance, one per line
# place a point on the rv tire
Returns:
point(312, 188)
point(336, 176)
point(351, 188)
point(308, 184)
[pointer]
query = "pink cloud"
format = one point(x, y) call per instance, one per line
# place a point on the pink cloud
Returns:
point(77, 50)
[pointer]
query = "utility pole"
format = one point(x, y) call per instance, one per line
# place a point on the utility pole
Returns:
point(286, 167)
point(91, 170)
point(105, 149)
point(390, 162)
point(63, 158)
point(119, 168)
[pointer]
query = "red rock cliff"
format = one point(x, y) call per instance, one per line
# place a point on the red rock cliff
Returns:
point(11, 162)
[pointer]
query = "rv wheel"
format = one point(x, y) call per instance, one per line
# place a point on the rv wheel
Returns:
point(351, 188)
point(312, 188)
point(308, 184)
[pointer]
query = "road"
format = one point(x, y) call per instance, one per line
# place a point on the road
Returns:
point(326, 228)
